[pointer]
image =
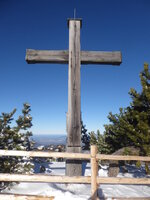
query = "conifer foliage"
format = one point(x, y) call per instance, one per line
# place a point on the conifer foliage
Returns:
point(15, 138)
point(85, 137)
point(131, 127)
point(99, 140)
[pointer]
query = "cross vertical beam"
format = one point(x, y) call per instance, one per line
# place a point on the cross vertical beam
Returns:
point(74, 167)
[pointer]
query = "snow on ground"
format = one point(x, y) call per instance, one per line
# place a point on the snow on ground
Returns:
point(82, 191)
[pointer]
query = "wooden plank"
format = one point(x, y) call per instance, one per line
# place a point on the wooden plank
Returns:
point(101, 57)
point(93, 172)
point(46, 56)
point(71, 155)
point(24, 197)
point(119, 157)
point(45, 154)
point(62, 56)
point(129, 181)
point(74, 102)
point(44, 178)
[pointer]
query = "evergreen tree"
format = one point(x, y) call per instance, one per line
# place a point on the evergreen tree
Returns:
point(85, 137)
point(15, 138)
point(99, 140)
point(131, 127)
point(93, 138)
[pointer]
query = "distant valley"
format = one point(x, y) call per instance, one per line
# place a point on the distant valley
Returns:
point(49, 139)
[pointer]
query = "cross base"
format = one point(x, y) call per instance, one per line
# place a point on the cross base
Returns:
point(73, 167)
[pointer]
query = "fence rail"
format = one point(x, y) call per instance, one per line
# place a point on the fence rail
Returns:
point(94, 180)
point(44, 178)
point(118, 157)
point(23, 197)
point(82, 156)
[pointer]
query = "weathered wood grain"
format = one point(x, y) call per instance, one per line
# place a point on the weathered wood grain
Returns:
point(68, 179)
point(46, 56)
point(74, 168)
point(94, 172)
point(117, 157)
point(62, 56)
point(74, 104)
point(101, 57)
point(44, 178)
point(129, 181)
point(68, 155)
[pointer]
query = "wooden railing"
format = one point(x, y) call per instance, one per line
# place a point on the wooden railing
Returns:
point(94, 180)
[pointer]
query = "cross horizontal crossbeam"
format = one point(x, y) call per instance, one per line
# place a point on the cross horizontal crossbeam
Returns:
point(62, 56)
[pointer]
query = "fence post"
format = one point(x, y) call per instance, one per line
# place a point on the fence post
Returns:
point(93, 172)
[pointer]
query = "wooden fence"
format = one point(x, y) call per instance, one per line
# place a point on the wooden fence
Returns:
point(94, 179)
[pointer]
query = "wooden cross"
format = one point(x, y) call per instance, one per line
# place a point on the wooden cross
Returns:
point(74, 57)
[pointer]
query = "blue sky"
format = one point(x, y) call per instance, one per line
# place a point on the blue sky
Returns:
point(108, 25)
